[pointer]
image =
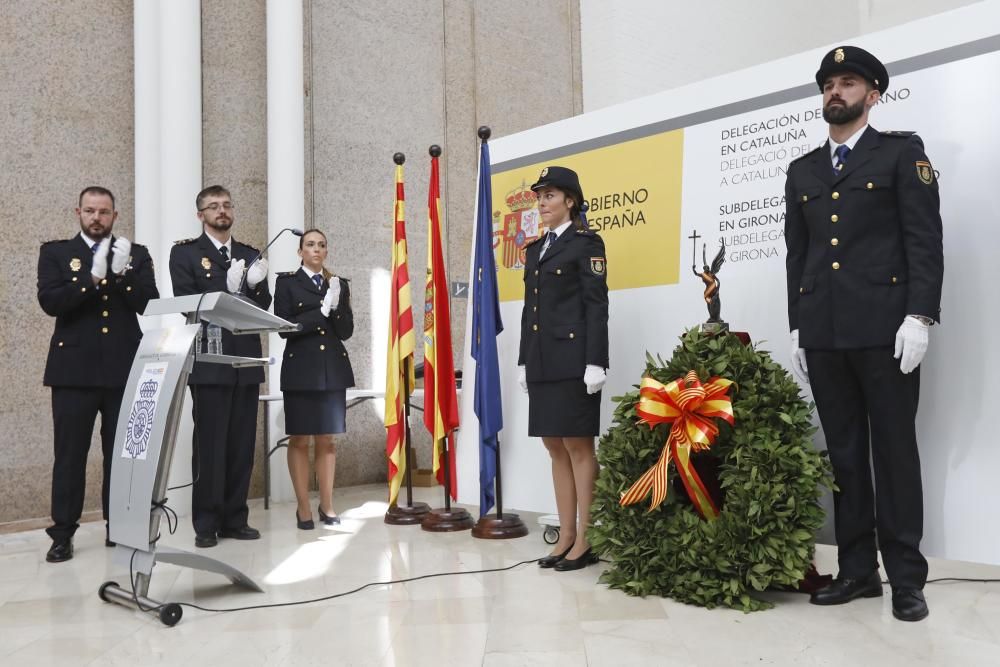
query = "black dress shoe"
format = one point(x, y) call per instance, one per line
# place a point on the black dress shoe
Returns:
point(328, 520)
point(845, 589)
point(241, 533)
point(60, 550)
point(551, 560)
point(304, 525)
point(204, 540)
point(908, 604)
point(568, 564)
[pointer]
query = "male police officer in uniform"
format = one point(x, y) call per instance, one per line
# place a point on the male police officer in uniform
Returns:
point(94, 285)
point(225, 398)
point(865, 266)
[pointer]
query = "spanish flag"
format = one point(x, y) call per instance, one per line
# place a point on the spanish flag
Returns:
point(400, 348)
point(440, 400)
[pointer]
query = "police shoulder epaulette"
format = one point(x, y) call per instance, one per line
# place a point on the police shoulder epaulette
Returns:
point(587, 231)
point(185, 241)
point(284, 274)
point(53, 241)
point(897, 133)
point(805, 155)
point(245, 245)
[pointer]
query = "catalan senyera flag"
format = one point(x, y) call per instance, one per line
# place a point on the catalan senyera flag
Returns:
point(400, 349)
point(440, 396)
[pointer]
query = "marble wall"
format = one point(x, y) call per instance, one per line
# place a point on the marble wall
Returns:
point(380, 78)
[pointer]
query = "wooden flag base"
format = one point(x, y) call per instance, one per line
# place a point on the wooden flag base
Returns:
point(503, 527)
point(402, 515)
point(445, 520)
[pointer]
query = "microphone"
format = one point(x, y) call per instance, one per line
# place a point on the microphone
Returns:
point(243, 283)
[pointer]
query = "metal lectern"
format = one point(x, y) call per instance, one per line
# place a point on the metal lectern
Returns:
point(146, 434)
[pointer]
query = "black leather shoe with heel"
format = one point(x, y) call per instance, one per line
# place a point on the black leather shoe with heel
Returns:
point(550, 561)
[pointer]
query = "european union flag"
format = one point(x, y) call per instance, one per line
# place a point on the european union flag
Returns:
point(486, 325)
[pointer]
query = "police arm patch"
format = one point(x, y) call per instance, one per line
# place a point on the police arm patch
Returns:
point(598, 265)
point(924, 172)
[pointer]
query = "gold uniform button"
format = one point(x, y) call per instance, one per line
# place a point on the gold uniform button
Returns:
point(291, 354)
point(104, 330)
point(322, 347)
point(344, 353)
point(60, 343)
point(836, 265)
point(322, 333)
point(534, 327)
point(104, 281)
point(870, 186)
point(805, 197)
point(572, 335)
point(74, 279)
point(834, 241)
point(834, 218)
point(835, 195)
point(536, 272)
point(558, 272)
point(128, 289)
point(536, 290)
point(83, 289)
point(300, 304)
point(104, 313)
point(802, 290)
point(208, 275)
point(534, 309)
point(894, 280)
point(104, 297)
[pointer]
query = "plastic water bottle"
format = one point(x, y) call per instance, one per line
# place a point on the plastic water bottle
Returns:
point(214, 339)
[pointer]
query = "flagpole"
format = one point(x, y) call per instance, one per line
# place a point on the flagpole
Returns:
point(442, 520)
point(412, 512)
point(501, 526)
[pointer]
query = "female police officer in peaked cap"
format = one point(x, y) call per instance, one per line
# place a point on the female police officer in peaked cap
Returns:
point(315, 371)
point(564, 354)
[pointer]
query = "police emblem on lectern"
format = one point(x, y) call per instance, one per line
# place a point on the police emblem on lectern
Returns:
point(143, 412)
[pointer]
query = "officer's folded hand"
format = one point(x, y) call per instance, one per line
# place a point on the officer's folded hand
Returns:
point(594, 377)
point(332, 298)
point(799, 367)
point(99, 268)
point(123, 252)
point(522, 378)
point(234, 276)
point(257, 272)
point(911, 343)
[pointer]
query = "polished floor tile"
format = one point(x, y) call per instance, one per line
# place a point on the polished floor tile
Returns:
point(51, 614)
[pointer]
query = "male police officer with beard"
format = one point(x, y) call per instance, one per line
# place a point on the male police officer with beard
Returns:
point(864, 268)
point(94, 285)
point(225, 398)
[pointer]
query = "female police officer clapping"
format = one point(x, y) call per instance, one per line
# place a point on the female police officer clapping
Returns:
point(315, 371)
point(564, 354)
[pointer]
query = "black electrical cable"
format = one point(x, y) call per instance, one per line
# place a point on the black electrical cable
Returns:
point(311, 600)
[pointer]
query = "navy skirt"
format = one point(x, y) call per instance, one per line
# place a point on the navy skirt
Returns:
point(563, 409)
point(315, 412)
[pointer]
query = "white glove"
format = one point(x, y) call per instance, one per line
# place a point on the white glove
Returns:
point(522, 378)
point(234, 276)
point(594, 377)
point(257, 272)
point(99, 269)
point(799, 367)
point(119, 260)
point(332, 298)
point(911, 343)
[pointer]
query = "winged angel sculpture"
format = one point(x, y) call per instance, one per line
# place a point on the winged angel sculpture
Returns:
point(710, 276)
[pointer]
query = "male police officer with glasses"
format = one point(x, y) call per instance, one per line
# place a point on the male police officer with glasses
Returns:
point(864, 269)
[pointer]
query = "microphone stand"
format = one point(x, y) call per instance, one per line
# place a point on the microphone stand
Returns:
point(243, 282)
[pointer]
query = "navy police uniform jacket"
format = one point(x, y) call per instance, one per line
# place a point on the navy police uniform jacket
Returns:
point(315, 358)
point(97, 329)
point(564, 324)
point(864, 246)
point(196, 266)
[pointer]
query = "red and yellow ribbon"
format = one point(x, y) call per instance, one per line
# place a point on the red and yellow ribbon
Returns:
point(691, 407)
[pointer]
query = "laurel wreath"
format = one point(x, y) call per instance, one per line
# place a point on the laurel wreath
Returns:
point(769, 472)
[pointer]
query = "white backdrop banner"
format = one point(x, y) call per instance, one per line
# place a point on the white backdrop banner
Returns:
point(710, 160)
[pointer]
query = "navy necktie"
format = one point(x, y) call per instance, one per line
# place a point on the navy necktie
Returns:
point(841, 152)
point(93, 248)
point(318, 279)
point(225, 254)
point(550, 238)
